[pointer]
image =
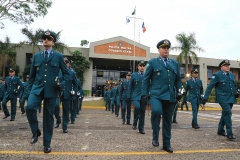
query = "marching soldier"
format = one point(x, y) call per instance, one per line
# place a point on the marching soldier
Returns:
point(2, 91)
point(134, 93)
point(163, 73)
point(68, 92)
point(11, 92)
point(226, 94)
point(113, 97)
point(118, 99)
point(26, 88)
point(43, 76)
point(126, 105)
point(107, 99)
point(184, 102)
point(195, 88)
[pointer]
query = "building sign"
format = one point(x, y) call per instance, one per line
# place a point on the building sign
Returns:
point(119, 48)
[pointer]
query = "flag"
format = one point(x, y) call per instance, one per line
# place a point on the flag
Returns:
point(134, 11)
point(143, 27)
point(127, 20)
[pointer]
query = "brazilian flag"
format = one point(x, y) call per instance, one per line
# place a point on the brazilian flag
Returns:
point(134, 11)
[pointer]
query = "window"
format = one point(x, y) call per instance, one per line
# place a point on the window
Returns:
point(210, 73)
point(99, 73)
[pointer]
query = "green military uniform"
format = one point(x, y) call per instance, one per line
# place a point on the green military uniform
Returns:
point(113, 98)
point(11, 93)
point(162, 79)
point(107, 99)
point(118, 98)
point(226, 94)
point(25, 90)
point(134, 93)
point(195, 89)
point(44, 70)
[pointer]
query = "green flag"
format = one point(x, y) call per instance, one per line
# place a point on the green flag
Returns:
point(134, 11)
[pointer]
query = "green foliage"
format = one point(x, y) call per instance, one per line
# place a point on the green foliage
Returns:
point(58, 45)
point(187, 48)
point(211, 99)
point(34, 37)
point(213, 92)
point(238, 84)
point(80, 63)
point(86, 93)
point(23, 12)
point(84, 43)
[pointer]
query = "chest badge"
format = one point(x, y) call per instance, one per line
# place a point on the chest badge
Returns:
point(158, 73)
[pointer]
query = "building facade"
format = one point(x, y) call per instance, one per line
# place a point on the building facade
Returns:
point(111, 58)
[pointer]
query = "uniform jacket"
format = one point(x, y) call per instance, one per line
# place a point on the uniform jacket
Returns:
point(225, 87)
point(25, 90)
point(195, 90)
point(118, 93)
point(162, 81)
point(42, 74)
point(70, 84)
point(124, 88)
point(113, 94)
point(107, 96)
point(2, 91)
point(135, 86)
point(11, 85)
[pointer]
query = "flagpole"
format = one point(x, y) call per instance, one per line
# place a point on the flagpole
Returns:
point(134, 41)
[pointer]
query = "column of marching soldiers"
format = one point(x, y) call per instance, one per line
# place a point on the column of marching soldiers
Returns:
point(159, 85)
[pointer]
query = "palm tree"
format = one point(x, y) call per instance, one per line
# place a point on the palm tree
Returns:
point(7, 54)
point(58, 45)
point(34, 37)
point(187, 48)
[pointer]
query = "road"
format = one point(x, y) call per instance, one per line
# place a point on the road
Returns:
point(98, 134)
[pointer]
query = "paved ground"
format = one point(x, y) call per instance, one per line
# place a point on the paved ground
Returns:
point(98, 134)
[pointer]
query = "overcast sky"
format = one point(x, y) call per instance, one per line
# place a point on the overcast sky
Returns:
point(216, 23)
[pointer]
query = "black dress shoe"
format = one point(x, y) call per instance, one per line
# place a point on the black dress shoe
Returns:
point(117, 115)
point(47, 150)
point(231, 137)
point(72, 122)
point(168, 149)
point(123, 122)
point(195, 127)
point(134, 127)
point(155, 143)
point(35, 136)
point(129, 124)
point(23, 112)
point(175, 122)
point(222, 134)
point(65, 131)
point(56, 125)
point(6, 116)
point(142, 132)
point(12, 119)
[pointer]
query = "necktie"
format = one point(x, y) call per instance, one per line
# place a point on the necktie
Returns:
point(166, 62)
point(46, 56)
point(227, 74)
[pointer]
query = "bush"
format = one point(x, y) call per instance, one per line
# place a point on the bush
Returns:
point(86, 92)
point(211, 99)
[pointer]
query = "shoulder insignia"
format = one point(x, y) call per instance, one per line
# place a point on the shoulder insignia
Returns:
point(147, 65)
point(213, 77)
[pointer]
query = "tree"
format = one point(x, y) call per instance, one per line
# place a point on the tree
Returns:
point(34, 37)
point(79, 64)
point(58, 45)
point(7, 54)
point(23, 12)
point(187, 48)
point(84, 43)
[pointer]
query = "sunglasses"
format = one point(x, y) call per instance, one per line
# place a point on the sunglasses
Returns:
point(48, 38)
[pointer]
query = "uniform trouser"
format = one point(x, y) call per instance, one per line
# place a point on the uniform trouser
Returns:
point(22, 103)
point(73, 109)
point(226, 119)
point(139, 114)
point(57, 111)
point(0, 105)
point(107, 105)
point(65, 113)
point(195, 107)
point(184, 102)
point(113, 103)
point(34, 101)
point(80, 104)
point(126, 106)
point(13, 106)
point(175, 113)
point(117, 106)
point(164, 109)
